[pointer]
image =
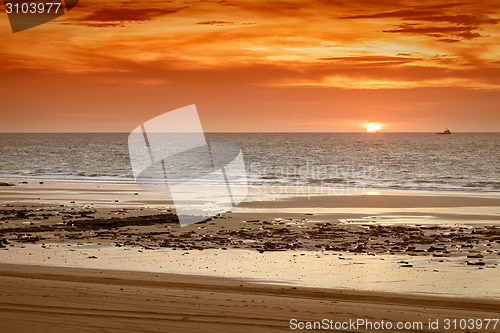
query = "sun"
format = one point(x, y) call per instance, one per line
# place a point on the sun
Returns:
point(373, 127)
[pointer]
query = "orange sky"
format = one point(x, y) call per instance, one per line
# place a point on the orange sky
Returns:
point(317, 65)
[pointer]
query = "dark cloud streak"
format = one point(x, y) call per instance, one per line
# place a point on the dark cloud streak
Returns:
point(464, 32)
point(373, 60)
point(217, 23)
point(450, 27)
point(110, 17)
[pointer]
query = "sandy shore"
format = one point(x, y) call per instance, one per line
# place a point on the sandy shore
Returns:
point(401, 273)
point(117, 255)
point(44, 299)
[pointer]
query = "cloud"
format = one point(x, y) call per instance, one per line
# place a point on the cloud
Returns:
point(217, 23)
point(112, 16)
point(460, 31)
point(471, 20)
point(448, 40)
point(301, 43)
point(448, 25)
point(223, 23)
point(373, 60)
point(431, 14)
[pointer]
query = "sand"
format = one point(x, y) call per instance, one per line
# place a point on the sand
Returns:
point(111, 257)
point(405, 274)
point(46, 299)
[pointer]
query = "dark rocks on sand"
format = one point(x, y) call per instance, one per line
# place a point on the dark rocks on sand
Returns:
point(477, 263)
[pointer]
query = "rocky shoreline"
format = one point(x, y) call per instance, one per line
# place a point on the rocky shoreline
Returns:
point(149, 229)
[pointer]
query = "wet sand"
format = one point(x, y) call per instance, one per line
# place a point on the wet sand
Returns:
point(398, 273)
point(410, 244)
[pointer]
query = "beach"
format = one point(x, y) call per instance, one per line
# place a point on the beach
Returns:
point(48, 299)
point(250, 166)
point(120, 253)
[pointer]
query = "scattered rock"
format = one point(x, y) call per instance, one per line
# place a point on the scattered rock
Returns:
point(477, 263)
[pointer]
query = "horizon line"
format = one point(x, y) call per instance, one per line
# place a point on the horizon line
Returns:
point(243, 132)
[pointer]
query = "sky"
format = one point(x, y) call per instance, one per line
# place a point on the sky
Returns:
point(293, 66)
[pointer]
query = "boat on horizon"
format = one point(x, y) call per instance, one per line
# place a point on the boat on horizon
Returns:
point(446, 131)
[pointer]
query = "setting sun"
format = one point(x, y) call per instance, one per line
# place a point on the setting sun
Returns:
point(373, 127)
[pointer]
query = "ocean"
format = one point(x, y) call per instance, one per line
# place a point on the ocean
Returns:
point(393, 161)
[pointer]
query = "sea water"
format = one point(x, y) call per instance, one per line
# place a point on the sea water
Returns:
point(396, 161)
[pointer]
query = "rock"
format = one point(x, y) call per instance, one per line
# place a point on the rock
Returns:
point(475, 256)
point(477, 263)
